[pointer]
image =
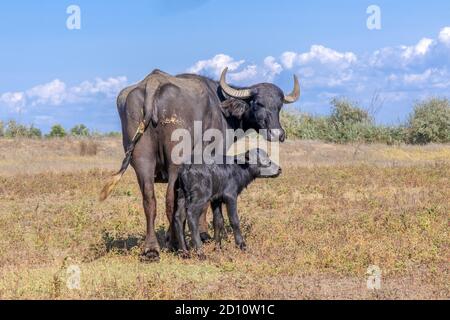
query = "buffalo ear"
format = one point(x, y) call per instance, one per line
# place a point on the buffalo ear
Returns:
point(233, 107)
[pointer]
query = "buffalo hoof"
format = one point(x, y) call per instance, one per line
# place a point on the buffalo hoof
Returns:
point(150, 255)
point(200, 255)
point(205, 237)
point(184, 254)
point(172, 246)
point(242, 246)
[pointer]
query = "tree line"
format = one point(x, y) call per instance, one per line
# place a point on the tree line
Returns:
point(429, 122)
point(12, 129)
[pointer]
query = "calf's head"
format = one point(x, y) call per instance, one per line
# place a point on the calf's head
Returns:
point(261, 163)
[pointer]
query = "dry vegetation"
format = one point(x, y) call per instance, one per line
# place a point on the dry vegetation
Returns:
point(312, 233)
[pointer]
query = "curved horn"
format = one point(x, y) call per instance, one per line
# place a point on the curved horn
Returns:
point(235, 93)
point(295, 95)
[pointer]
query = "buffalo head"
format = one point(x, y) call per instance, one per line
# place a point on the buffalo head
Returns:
point(259, 106)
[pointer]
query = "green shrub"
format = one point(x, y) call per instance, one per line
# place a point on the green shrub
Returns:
point(14, 129)
point(347, 112)
point(347, 123)
point(2, 129)
point(304, 126)
point(57, 131)
point(80, 130)
point(34, 132)
point(430, 122)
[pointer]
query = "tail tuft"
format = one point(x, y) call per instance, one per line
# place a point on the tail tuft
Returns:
point(109, 187)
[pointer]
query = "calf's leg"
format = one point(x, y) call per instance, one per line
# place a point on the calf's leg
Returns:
point(234, 221)
point(193, 214)
point(217, 222)
point(204, 235)
point(179, 222)
point(170, 201)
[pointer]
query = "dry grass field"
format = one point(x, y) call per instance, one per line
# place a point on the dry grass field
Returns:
point(311, 234)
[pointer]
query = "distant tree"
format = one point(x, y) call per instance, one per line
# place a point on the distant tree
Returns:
point(2, 129)
point(34, 132)
point(57, 131)
point(346, 112)
point(349, 123)
point(14, 129)
point(430, 122)
point(80, 130)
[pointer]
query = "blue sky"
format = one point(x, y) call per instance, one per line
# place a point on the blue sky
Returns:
point(50, 74)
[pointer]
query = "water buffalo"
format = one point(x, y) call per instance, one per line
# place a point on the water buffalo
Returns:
point(218, 184)
point(152, 109)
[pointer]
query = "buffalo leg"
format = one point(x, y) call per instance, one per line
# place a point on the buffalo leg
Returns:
point(193, 213)
point(170, 201)
point(234, 221)
point(204, 226)
point(179, 222)
point(145, 173)
point(217, 222)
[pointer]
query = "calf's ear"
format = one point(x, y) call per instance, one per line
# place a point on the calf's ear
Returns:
point(233, 107)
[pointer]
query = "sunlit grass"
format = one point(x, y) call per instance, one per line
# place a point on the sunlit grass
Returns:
point(311, 233)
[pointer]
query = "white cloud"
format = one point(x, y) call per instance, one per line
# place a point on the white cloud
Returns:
point(288, 58)
point(419, 50)
point(109, 87)
point(52, 93)
point(318, 54)
point(271, 68)
point(248, 73)
point(402, 56)
point(215, 65)
point(444, 36)
point(56, 93)
point(239, 72)
point(418, 77)
point(430, 78)
point(14, 100)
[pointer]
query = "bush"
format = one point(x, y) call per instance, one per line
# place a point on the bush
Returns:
point(57, 131)
point(2, 129)
point(347, 123)
point(14, 130)
point(347, 112)
point(304, 126)
point(34, 132)
point(80, 130)
point(430, 122)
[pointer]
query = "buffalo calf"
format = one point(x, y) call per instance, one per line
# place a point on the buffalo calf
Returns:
point(218, 184)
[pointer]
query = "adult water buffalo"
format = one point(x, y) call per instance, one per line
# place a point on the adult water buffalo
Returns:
point(151, 110)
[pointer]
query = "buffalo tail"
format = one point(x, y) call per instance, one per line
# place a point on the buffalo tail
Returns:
point(109, 187)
